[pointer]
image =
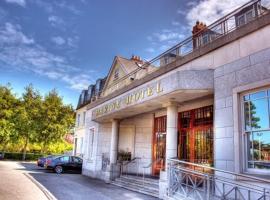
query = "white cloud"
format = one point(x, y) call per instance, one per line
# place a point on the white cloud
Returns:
point(175, 23)
point(208, 11)
point(73, 42)
point(18, 2)
point(150, 50)
point(12, 34)
point(181, 12)
point(20, 52)
point(166, 35)
point(58, 40)
point(56, 21)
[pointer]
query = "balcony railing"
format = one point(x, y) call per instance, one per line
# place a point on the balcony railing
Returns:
point(199, 182)
point(221, 27)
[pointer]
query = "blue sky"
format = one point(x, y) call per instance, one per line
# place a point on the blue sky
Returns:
point(68, 44)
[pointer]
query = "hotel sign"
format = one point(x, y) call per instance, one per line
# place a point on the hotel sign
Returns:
point(132, 98)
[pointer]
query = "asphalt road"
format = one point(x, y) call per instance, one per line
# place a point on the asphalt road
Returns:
point(26, 181)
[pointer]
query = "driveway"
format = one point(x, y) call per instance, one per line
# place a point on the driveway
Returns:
point(26, 181)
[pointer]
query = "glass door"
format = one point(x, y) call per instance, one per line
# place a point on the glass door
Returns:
point(159, 144)
point(196, 136)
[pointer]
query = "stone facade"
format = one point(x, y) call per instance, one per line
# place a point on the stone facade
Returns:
point(216, 75)
point(250, 69)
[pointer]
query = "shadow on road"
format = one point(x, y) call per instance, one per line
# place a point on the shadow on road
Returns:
point(69, 186)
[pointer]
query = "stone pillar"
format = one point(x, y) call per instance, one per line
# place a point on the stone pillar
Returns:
point(113, 170)
point(114, 141)
point(171, 145)
point(171, 137)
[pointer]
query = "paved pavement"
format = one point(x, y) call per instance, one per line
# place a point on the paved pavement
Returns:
point(25, 181)
point(14, 185)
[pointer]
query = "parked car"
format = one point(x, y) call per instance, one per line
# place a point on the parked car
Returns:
point(64, 163)
point(41, 161)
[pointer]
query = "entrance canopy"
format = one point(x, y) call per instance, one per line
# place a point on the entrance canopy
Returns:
point(178, 86)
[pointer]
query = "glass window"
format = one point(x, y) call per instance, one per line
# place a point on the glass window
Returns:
point(77, 160)
point(257, 128)
point(116, 73)
point(185, 119)
point(64, 159)
point(84, 116)
point(249, 15)
point(91, 142)
point(205, 39)
point(258, 95)
point(241, 20)
point(259, 150)
point(78, 119)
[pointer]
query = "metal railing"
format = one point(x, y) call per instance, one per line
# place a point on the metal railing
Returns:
point(149, 166)
point(199, 182)
point(124, 168)
point(219, 28)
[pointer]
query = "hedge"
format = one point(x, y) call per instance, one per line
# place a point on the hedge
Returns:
point(18, 156)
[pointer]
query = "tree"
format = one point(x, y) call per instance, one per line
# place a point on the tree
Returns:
point(27, 120)
point(8, 104)
point(56, 120)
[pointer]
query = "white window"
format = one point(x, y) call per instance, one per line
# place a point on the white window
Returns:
point(246, 17)
point(116, 73)
point(78, 120)
point(256, 125)
point(84, 116)
point(90, 146)
point(75, 146)
point(81, 145)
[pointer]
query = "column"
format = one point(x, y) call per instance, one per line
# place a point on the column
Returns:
point(114, 141)
point(171, 137)
point(171, 145)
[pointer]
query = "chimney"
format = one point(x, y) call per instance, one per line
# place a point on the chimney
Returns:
point(199, 26)
point(197, 31)
point(137, 59)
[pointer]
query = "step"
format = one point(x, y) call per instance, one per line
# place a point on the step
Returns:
point(139, 185)
point(140, 181)
point(134, 188)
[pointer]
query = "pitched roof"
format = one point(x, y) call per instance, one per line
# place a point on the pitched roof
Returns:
point(129, 64)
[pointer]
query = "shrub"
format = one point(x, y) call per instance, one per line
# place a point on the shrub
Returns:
point(18, 156)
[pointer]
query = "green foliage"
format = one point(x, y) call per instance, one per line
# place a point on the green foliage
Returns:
point(56, 119)
point(7, 113)
point(34, 123)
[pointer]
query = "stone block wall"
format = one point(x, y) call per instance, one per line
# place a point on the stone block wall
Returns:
point(247, 70)
point(143, 140)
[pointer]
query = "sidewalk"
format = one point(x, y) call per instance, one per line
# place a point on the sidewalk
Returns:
point(14, 184)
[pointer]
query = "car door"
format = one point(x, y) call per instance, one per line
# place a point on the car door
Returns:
point(77, 163)
point(65, 162)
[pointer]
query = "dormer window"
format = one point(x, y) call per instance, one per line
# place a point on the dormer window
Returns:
point(245, 17)
point(116, 73)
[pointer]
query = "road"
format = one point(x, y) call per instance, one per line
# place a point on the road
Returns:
point(26, 181)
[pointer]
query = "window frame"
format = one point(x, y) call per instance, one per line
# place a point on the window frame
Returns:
point(78, 119)
point(84, 118)
point(116, 74)
point(245, 17)
point(90, 143)
point(244, 133)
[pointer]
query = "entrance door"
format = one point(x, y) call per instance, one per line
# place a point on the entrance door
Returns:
point(196, 136)
point(159, 144)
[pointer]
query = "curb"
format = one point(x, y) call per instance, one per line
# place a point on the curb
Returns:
point(47, 193)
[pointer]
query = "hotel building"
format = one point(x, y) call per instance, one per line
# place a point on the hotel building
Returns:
point(194, 122)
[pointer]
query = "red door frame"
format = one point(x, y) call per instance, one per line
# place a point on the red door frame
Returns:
point(160, 125)
point(192, 129)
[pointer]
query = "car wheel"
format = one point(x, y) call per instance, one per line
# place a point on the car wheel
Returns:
point(58, 169)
